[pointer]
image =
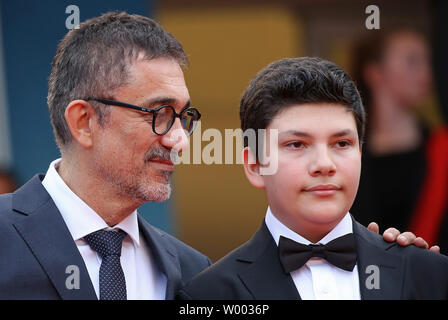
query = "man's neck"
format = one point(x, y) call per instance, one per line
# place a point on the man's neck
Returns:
point(105, 201)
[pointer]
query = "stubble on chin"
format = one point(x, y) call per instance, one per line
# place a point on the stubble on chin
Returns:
point(156, 191)
point(138, 185)
point(144, 184)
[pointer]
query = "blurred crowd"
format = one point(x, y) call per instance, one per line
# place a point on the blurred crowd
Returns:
point(404, 180)
point(7, 182)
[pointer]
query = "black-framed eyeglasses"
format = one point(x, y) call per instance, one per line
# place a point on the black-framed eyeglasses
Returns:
point(163, 116)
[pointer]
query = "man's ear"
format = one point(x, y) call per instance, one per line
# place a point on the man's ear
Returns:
point(80, 116)
point(252, 169)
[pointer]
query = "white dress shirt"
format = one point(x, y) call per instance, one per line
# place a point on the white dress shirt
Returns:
point(318, 279)
point(144, 280)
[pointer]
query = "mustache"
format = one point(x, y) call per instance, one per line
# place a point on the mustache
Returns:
point(162, 153)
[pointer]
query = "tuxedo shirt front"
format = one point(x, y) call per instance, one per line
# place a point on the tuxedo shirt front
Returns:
point(318, 279)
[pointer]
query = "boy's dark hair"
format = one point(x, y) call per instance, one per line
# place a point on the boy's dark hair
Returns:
point(294, 81)
point(94, 60)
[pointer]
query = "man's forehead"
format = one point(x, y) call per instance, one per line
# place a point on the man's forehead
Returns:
point(157, 68)
point(157, 81)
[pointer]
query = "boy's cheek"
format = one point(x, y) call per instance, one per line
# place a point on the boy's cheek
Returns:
point(351, 165)
point(352, 178)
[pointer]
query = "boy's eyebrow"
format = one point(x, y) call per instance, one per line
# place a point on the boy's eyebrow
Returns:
point(342, 133)
point(345, 132)
point(295, 133)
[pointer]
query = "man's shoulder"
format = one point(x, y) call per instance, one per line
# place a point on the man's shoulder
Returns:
point(220, 280)
point(185, 252)
point(5, 206)
point(227, 266)
point(241, 257)
point(5, 200)
point(30, 195)
point(181, 247)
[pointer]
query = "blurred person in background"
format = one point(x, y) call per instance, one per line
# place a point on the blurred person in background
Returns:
point(7, 182)
point(405, 162)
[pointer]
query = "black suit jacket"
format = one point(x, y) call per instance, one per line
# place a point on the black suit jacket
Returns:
point(36, 248)
point(253, 271)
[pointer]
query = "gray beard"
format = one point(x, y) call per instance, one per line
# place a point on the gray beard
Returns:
point(135, 184)
point(143, 189)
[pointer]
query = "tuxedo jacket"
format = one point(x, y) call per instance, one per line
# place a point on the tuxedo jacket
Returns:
point(36, 248)
point(254, 271)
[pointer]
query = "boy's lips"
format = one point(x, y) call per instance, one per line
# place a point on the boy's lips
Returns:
point(323, 189)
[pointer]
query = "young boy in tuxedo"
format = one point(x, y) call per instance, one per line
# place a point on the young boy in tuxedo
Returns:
point(309, 246)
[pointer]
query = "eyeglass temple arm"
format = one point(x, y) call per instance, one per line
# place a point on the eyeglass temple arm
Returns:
point(120, 104)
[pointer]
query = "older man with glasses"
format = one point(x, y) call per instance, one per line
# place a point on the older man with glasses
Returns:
point(75, 232)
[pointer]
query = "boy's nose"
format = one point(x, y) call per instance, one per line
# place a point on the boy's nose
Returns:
point(322, 164)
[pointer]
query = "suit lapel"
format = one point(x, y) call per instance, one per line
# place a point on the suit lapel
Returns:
point(165, 256)
point(47, 236)
point(43, 229)
point(376, 263)
point(264, 277)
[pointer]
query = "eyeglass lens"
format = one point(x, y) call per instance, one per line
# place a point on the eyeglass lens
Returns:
point(165, 119)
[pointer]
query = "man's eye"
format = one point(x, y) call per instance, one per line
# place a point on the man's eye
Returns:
point(148, 118)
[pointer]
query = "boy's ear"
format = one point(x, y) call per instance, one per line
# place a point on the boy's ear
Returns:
point(80, 115)
point(252, 169)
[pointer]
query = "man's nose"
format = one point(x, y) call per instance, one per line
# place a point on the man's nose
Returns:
point(321, 162)
point(176, 138)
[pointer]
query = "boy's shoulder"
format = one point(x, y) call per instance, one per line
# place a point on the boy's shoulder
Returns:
point(238, 259)
point(253, 270)
point(410, 252)
point(418, 272)
point(228, 278)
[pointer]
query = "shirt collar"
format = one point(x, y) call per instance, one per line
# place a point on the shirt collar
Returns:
point(80, 219)
point(277, 229)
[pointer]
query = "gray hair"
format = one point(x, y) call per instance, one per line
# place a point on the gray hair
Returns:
point(94, 60)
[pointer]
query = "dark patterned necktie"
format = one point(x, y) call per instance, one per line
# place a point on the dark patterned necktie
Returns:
point(108, 245)
point(341, 252)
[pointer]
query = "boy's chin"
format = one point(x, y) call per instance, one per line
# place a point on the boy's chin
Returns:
point(325, 216)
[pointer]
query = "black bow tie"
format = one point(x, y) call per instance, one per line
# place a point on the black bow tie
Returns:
point(340, 252)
